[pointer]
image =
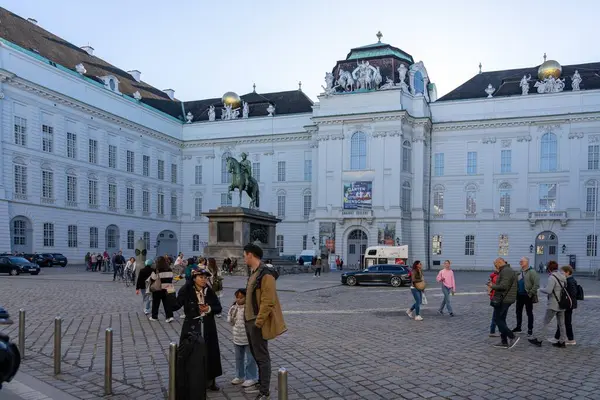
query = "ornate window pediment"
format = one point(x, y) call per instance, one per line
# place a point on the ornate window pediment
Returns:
point(19, 160)
point(471, 187)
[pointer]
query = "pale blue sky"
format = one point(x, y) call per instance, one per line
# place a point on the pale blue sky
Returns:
point(203, 49)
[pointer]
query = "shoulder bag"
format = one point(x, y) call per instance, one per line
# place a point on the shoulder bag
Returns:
point(156, 285)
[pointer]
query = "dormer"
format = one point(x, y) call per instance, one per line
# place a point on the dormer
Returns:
point(111, 83)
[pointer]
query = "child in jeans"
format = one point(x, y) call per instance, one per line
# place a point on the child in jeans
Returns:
point(247, 371)
point(493, 279)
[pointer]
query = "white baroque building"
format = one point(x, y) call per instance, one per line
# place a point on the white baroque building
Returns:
point(94, 158)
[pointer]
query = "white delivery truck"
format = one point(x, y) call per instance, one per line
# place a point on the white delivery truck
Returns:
point(386, 255)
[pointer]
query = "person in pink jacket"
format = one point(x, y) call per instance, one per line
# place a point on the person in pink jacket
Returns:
point(446, 278)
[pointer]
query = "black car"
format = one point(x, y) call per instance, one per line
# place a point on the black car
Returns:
point(17, 265)
point(39, 259)
point(391, 274)
point(59, 259)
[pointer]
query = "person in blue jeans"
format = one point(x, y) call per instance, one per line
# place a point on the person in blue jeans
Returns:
point(246, 368)
point(140, 286)
point(417, 288)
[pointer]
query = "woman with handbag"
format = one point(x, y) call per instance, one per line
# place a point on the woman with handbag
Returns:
point(161, 286)
point(417, 288)
point(216, 279)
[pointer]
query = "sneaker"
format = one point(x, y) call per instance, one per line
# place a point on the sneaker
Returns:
point(248, 383)
point(517, 330)
point(152, 319)
point(410, 314)
point(252, 389)
point(218, 315)
point(512, 342)
point(535, 342)
point(494, 334)
point(552, 340)
point(169, 320)
point(559, 344)
point(146, 312)
point(501, 345)
point(529, 334)
point(418, 318)
point(440, 312)
point(571, 342)
point(452, 314)
point(182, 316)
point(237, 381)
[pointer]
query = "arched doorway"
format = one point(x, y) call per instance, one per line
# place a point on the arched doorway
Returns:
point(356, 245)
point(166, 243)
point(112, 239)
point(21, 235)
point(546, 248)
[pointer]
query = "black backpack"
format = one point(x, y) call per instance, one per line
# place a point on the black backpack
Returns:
point(579, 293)
point(565, 302)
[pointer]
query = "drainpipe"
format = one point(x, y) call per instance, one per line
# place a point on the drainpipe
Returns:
point(428, 209)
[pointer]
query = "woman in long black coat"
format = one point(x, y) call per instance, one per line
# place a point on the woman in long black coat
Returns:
point(200, 305)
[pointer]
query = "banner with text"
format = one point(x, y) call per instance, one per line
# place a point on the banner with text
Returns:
point(358, 195)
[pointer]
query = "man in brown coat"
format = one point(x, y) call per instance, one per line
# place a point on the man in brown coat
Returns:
point(264, 319)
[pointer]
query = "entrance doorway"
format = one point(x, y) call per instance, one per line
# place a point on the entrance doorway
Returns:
point(112, 239)
point(546, 247)
point(357, 245)
point(21, 235)
point(166, 243)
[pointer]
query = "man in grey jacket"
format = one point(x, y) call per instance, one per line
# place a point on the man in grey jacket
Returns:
point(556, 281)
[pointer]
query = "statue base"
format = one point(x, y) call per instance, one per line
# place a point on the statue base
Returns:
point(231, 228)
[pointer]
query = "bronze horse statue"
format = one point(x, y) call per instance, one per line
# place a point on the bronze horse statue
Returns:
point(239, 182)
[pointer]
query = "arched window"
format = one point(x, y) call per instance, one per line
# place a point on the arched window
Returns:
point(471, 204)
point(358, 151)
point(419, 83)
point(225, 175)
point(591, 196)
point(549, 153)
point(406, 197)
point(19, 232)
point(406, 156)
point(196, 243)
point(438, 200)
point(505, 190)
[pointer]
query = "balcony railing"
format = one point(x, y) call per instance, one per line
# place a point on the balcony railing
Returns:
point(19, 196)
point(72, 204)
point(548, 216)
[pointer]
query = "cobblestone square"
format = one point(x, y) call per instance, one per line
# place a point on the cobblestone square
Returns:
point(343, 342)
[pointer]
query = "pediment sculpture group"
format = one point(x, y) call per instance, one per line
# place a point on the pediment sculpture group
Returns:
point(550, 84)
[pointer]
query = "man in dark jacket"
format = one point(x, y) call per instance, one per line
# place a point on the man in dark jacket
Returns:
point(505, 294)
point(140, 286)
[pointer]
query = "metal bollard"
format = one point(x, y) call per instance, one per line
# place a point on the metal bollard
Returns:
point(172, 369)
point(57, 343)
point(108, 356)
point(22, 333)
point(282, 388)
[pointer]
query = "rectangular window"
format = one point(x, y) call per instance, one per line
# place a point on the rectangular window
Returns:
point(591, 199)
point(147, 240)
point(93, 193)
point(308, 170)
point(72, 189)
point(47, 184)
point(279, 244)
point(307, 205)
point(130, 161)
point(225, 200)
point(198, 175)
point(438, 203)
point(547, 197)
point(196, 243)
point(161, 170)
point(594, 156)
point(130, 240)
point(304, 242)
point(112, 156)
point(160, 204)
point(281, 171)
point(130, 199)
point(505, 161)
point(48, 234)
point(145, 201)
point(173, 173)
point(71, 145)
point(406, 157)
point(21, 180)
point(281, 205)
point(436, 245)
point(112, 196)
point(503, 245)
point(20, 130)
point(173, 206)
point(93, 151)
point(256, 171)
point(406, 198)
point(72, 236)
point(47, 139)
point(198, 206)
point(93, 237)
point(472, 163)
point(469, 245)
point(592, 246)
point(505, 202)
point(146, 165)
point(19, 233)
point(438, 168)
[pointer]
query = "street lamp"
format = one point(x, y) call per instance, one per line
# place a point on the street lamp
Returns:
point(314, 240)
point(530, 248)
point(564, 248)
point(397, 241)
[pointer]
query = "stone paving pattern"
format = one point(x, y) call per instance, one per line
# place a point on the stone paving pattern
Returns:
point(343, 342)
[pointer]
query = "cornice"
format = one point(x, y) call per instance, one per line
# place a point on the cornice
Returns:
point(547, 122)
point(251, 140)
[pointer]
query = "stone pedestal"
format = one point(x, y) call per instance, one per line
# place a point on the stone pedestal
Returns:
point(231, 228)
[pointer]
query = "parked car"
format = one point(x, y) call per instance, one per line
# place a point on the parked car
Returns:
point(39, 259)
point(59, 259)
point(391, 274)
point(17, 265)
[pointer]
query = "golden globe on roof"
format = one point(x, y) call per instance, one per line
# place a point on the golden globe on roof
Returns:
point(232, 99)
point(549, 68)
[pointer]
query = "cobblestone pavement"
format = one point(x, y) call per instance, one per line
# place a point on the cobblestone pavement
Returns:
point(343, 342)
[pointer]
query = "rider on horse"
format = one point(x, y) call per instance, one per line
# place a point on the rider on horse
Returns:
point(246, 167)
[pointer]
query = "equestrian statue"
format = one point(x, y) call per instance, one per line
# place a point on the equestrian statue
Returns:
point(242, 180)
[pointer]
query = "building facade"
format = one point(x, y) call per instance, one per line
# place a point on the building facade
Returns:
point(94, 158)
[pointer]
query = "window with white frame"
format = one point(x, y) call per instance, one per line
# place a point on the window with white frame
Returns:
point(93, 237)
point(406, 197)
point(160, 204)
point(72, 236)
point(196, 243)
point(470, 245)
point(145, 201)
point(594, 156)
point(506, 161)
point(256, 171)
point(225, 200)
point(47, 138)
point(436, 245)
point(130, 201)
point(592, 245)
point(160, 168)
point(48, 234)
point(146, 165)
point(173, 173)
point(406, 156)
point(20, 179)
point(93, 151)
point(112, 238)
point(358, 151)
point(198, 175)
point(279, 244)
point(505, 190)
point(112, 156)
point(198, 206)
point(547, 196)
point(503, 245)
point(281, 204)
point(307, 203)
point(130, 240)
point(92, 192)
point(19, 232)
point(47, 184)
point(173, 206)
point(281, 171)
point(304, 242)
point(591, 196)
point(438, 164)
point(438, 200)
point(112, 195)
point(147, 240)
point(308, 170)
point(471, 163)
point(471, 203)
point(71, 189)
point(225, 174)
point(20, 130)
point(71, 145)
point(549, 153)
point(130, 161)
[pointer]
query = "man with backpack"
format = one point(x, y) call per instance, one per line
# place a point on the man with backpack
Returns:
point(558, 302)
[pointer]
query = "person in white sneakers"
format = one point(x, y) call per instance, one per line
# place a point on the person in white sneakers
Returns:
point(246, 368)
point(417, 288)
